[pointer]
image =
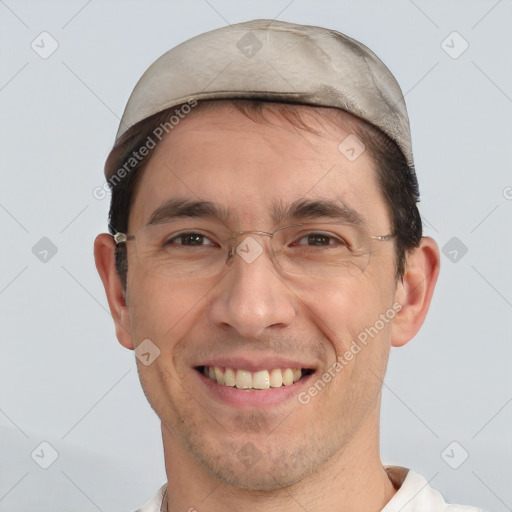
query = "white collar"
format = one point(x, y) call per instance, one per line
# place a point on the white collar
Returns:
point(414, 494)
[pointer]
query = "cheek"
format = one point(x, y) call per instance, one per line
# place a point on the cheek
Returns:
point(345, 309)
point(164, 312)
point(349, 318)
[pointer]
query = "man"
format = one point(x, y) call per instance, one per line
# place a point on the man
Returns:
point(266, 253)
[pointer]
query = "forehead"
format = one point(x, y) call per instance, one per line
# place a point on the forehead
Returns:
point(249, 163)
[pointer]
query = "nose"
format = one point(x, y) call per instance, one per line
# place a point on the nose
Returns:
point(253, 296)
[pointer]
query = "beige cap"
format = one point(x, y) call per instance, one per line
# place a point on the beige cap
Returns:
point(275, 61)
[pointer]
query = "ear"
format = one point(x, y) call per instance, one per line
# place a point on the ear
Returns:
point(104, 250)
point(415, 291)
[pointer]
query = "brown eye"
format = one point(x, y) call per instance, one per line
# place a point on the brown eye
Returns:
point(318, 239)
point(190, 239)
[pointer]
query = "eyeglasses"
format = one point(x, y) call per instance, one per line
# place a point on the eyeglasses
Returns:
point(194, 248)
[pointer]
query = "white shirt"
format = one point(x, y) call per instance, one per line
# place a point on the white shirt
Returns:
point(414, 495)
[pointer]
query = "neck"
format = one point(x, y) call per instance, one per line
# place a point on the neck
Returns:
point(352, 480)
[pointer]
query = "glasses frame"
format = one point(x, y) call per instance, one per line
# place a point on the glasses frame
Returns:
point(120, 237)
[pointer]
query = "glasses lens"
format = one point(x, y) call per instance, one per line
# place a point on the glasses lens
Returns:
point(323, 250)
point(181, 248)
point(191, 248)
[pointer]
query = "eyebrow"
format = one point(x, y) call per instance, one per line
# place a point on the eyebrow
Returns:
point(304, 209)
point(299, 210)
point(176, 208)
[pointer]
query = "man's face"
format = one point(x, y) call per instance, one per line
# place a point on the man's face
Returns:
point(255, 317)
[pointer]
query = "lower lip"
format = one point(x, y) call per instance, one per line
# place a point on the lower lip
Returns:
point(254, 398)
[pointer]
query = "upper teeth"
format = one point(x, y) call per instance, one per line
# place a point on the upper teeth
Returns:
point(262, 379)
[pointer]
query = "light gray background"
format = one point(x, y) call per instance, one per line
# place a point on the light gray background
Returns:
point(63, 377)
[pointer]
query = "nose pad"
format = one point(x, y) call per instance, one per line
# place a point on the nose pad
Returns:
point(249, 249)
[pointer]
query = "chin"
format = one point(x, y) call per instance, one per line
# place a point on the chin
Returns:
point(256, 478)
point(259, 466)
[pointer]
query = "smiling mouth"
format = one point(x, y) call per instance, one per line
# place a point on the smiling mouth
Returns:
point(254, 381)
